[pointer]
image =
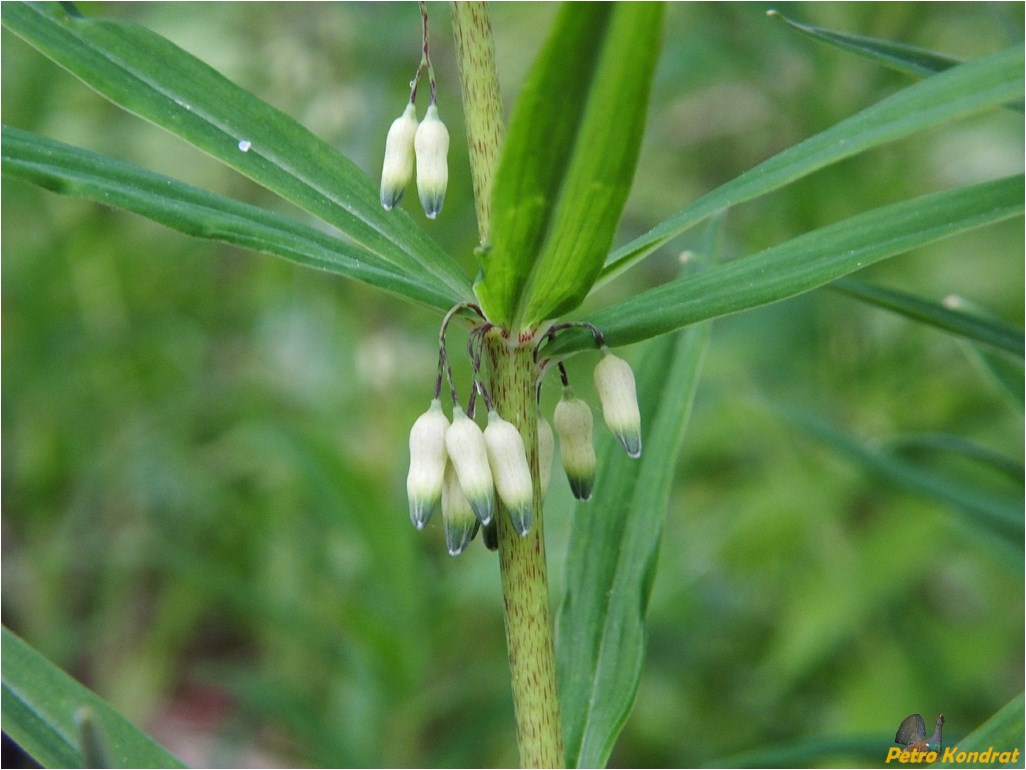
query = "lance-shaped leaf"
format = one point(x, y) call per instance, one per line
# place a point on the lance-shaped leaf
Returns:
point(956, 93)
point(973, 327)
point(148, 75)
point(902, 57)
point(568, 161)
point(801, 264)
point(535, 153)
point(611, 562)
point(72, 171)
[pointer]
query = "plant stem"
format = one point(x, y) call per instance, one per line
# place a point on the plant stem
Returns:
point(525, 587)
point(482, 106)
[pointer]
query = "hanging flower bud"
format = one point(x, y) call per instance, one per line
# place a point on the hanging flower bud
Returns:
point(466, 446)
point(398, 167)
point(508, 461)
point(427, 463)
point(546, 449)
point(457, 515)
point(614, 381)
point(574, 424)
point(432, 144)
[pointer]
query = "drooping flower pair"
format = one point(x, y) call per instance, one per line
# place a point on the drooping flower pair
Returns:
point(428, 143)
point(614, 381)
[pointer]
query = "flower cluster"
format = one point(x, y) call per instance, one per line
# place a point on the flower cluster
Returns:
point(426, 142)
point(464, 468)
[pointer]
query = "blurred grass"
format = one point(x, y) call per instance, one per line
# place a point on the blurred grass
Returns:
point(204, 450)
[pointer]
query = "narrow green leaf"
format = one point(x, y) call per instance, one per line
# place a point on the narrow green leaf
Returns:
point(979, 508)
point(902, 57)
point(153, 78)
point(602, 168)
point(72, 171)
point(536, 151)
point(569, 160)
point(987, 331)
point(801, 264)
point(960, 91)
point(600, 639)
point(1003, 732)
point(39, 706)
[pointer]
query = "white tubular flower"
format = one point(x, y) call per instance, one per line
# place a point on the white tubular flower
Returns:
point(507, 458)
point(398, 166)
point(574, 424)
point(432, 145)
point(427, 463)
point(457, 515)
point(546, 450)
point(614, 381)
point(466, 446)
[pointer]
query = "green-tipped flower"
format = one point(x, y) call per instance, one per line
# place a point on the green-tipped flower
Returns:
point(614, 381)
point(507, 458)
point(432, 144)
point(427, 463)
point(468, 454)
point(574, 424)
point(546, 449)
point(398, 166)
point(457, 515)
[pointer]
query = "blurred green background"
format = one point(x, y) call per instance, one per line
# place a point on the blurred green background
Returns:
point(204, 452)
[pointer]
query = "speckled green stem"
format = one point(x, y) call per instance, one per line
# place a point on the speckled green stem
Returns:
point(525, 586)
point(482, 106)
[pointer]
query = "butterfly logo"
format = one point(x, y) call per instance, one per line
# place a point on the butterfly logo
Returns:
point(912, 733)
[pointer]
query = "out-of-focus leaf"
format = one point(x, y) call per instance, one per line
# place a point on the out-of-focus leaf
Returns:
point(611, 563)
point(986, 330)
point(568, 161)
point(801, 264)
point(956, 445)
point(851, 752)
point(960, 91)
point(1006, 372)
point(148, 75)
point(73, 171)
point(995, 511)
point(39, 706)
